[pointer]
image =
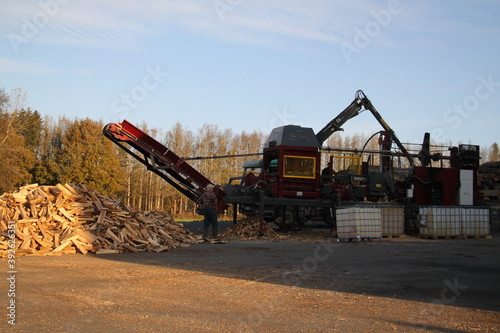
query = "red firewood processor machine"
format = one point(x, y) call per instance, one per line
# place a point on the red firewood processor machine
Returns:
point(289, 185)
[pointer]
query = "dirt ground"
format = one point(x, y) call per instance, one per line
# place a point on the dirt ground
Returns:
point(316, 285)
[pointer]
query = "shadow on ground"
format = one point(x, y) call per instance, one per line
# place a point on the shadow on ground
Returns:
point(461, 273)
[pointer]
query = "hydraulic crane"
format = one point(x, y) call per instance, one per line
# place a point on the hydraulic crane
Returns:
point(354, 109)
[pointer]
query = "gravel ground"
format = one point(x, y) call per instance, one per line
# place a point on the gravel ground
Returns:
point(316, 285)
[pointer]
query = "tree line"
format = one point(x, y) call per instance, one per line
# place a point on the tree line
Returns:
point(41, 149)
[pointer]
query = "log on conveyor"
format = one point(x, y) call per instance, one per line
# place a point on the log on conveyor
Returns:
point(67, 219)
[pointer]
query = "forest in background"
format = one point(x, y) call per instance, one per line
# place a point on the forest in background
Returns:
point(47, 151)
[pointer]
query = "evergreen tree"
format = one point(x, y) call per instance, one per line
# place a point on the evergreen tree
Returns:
point(15, 159)
point(494, 153)
point(87, 157)
point(29, 124)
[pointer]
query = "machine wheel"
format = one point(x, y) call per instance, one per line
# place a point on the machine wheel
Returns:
point(328, 218)
point(290, 216)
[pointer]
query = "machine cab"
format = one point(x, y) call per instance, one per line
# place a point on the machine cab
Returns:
point(291, 163)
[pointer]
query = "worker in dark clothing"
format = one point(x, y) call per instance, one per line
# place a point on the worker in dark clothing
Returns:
point(328, 171)
point(208, 202)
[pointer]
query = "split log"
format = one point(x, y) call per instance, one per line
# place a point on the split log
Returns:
point(67, 219)
point(488, 180)
point(249, 228)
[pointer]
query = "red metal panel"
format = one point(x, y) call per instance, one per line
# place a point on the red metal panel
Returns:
point(433, 184)
point(149, 144)
point(164, 157)
point(291, 187)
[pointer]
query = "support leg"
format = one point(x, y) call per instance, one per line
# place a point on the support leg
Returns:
point(261, 214)
point(235, 212)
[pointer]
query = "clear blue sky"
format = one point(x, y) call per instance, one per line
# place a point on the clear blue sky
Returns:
point(256, 64)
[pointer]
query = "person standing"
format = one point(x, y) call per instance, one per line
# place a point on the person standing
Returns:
point(208, 202)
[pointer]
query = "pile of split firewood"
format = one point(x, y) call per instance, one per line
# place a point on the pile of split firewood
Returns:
point(249, 228)
point(67, 219)
point(488, 179)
